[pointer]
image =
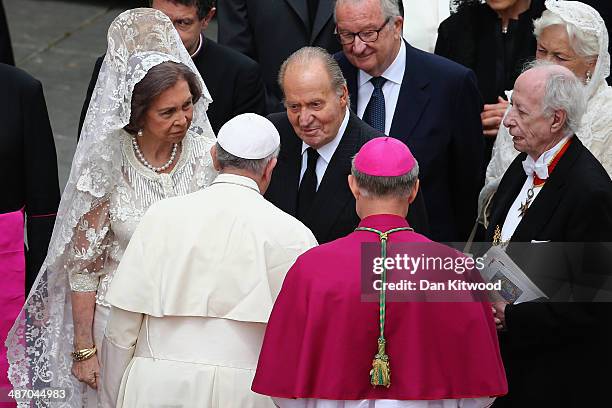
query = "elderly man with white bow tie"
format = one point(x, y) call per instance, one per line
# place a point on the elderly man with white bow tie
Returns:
point(557, 198)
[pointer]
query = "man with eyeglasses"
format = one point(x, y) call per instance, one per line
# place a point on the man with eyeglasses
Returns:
point(233, 80)
point(428, 102)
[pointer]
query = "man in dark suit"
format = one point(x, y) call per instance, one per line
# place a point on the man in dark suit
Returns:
point(557, 198)
point(428, 102)
point(233, 80)
point(319, 137)
point(270, 30)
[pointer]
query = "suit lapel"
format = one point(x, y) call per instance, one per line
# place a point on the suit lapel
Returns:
point(324, 13)
point(333, 192)
point(542, 208)
point(301, 9)
point(288, 166)
point(351, 74)
point(413, 97)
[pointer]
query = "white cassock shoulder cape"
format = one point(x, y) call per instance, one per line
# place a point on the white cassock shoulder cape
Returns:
point(220, 252)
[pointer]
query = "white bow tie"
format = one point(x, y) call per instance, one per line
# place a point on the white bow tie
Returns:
point(538, 167)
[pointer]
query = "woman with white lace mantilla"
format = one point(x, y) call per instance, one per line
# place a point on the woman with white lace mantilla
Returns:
point(572, 34)
point(146, 137)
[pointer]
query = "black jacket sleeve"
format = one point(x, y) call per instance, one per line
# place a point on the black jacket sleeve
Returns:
point(41, 179)
point(234, 29)
point(250, 96)
point(6, 50)
point(90, 89)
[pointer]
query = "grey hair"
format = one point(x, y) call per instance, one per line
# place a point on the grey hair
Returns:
point(306, 56)
point(389, 8)
point(381, 186)
point(255, 166)
point(584, 43)
point(563, 91)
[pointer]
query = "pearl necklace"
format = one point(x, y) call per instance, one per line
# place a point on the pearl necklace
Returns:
point(147, 164)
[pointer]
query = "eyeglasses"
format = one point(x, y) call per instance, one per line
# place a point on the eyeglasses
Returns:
point(347, 37)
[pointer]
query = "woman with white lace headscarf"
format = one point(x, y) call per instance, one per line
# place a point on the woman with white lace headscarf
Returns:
point(572, 34)
point(146, 137)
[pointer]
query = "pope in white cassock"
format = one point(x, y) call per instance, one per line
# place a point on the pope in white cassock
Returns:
point(194, 290)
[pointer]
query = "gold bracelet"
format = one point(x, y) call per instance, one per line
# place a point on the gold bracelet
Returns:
point(83, 354)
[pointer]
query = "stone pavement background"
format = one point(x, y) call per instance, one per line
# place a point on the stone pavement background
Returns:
point(58, 42)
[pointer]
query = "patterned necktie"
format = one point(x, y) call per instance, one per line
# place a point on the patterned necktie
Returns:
point(308, 186)
point(374, 114)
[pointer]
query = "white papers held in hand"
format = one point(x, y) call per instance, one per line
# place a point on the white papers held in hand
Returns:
point(516, 287)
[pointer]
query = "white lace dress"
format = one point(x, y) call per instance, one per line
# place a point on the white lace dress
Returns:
point(104, 233)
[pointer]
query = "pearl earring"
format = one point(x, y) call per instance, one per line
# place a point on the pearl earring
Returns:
point(588, 77)
point(139, 134)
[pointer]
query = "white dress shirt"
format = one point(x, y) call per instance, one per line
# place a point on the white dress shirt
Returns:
point(421, 21)
point(391, 89)
point(540, 166)
point(325, 152)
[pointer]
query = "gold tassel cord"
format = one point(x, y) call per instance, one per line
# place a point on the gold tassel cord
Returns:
point(381, 372)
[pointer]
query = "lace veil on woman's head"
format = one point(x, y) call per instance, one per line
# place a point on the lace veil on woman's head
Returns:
point(588, 20)
point(40, 342)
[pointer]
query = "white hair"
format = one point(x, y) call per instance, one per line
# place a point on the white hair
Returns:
point(305, 56)
point(254, 166)
point(585, 44)
point(563, 91)
point(389, 8)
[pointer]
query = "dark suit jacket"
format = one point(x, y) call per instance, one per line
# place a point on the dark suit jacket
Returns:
point(28, 161)
point(472, 37)
point(438, 116)
point(6, 51)
point(553, 350)
point(270, 30)
point(333, 212)
point(233, 80)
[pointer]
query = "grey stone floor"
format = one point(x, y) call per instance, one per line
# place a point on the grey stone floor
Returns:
point(58, 42)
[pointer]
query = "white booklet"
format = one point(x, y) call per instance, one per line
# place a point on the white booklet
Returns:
point(516, 287)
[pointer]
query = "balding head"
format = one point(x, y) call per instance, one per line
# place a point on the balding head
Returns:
point(547, 104)
point(316, 95)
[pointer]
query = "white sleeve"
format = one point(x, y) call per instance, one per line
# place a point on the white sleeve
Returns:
point(117, 350)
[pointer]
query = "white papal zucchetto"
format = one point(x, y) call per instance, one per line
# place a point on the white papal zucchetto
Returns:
point(249, 136)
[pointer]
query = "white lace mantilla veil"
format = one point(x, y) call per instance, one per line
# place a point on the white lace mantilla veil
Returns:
point(41, 339)
point(596, 125)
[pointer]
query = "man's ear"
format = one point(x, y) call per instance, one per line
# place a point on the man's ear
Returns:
point(345, 96)
point(353, 186)
point(207, 18)
point(559, 120)
point(398, 27)
point(267, 176)
point(213, 154)
point(414, 192)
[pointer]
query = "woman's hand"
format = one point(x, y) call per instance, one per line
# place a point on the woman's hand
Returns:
point(87, 371)
point(492, 117)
